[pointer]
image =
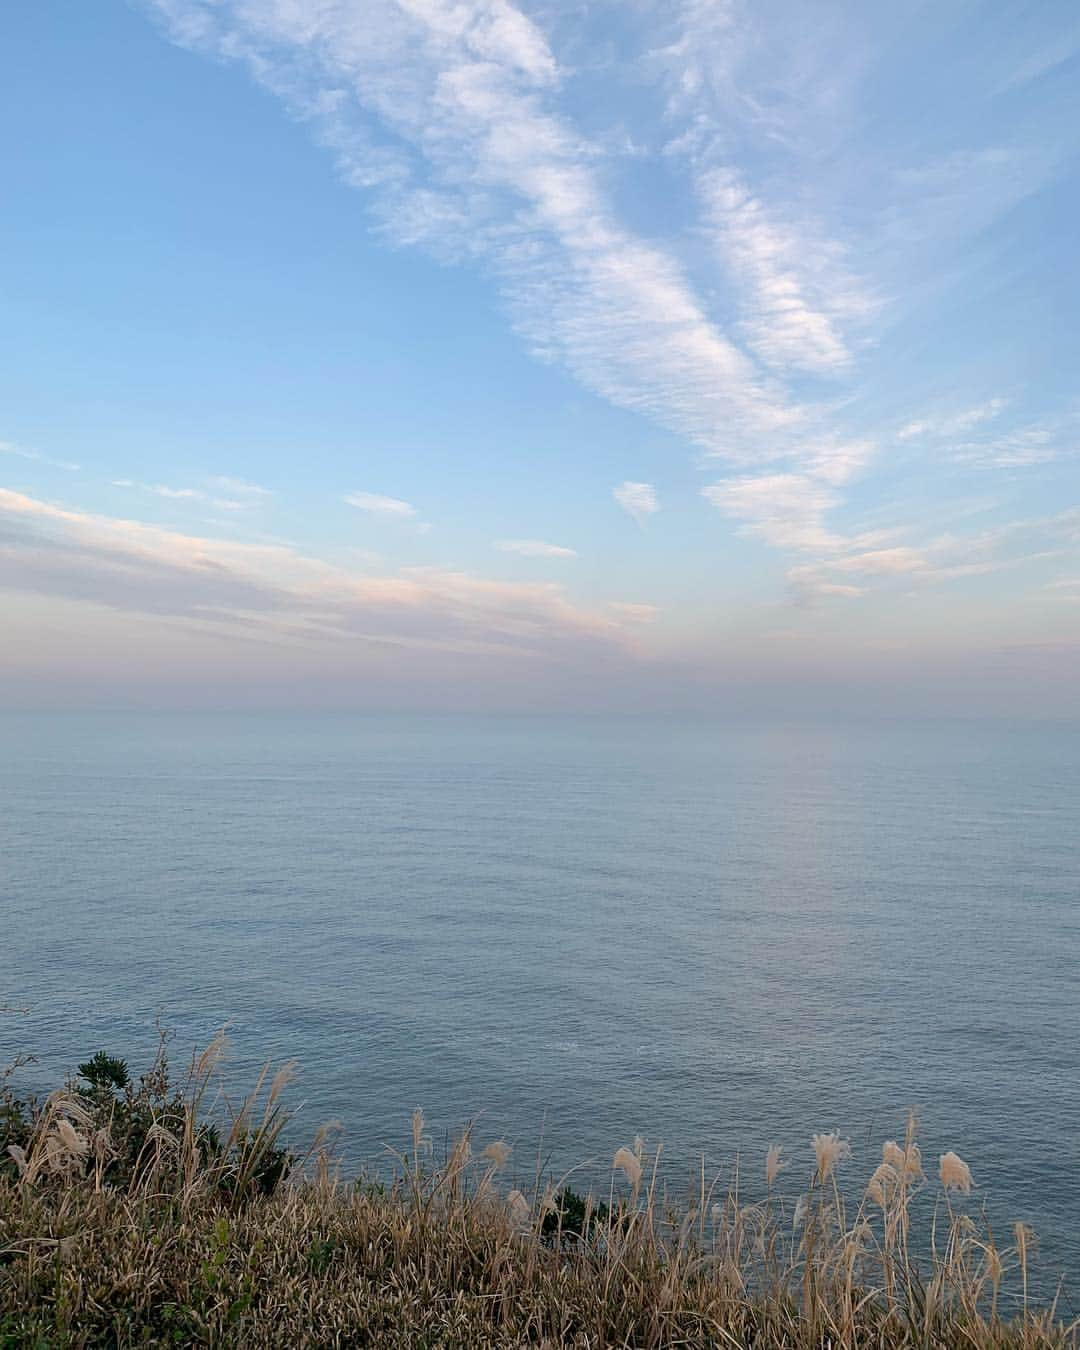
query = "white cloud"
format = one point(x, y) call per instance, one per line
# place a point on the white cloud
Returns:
point(1017, 449)
point(534, 548)
point(449, 118)
point(245, 496)
point(271, 592)
point(808, 584)
point(963, 192)
point(1051, 57)
point(837, 461)
point(1024, 445)
point(633, 612)
point(951, 424)
point(240, 488)
point(376, 505)
point(787, 510)
point(797, 293)
point(8, 448)
point(446, 116)
point(947, 557)
point(887, 562)
point(177, 494)
point(637, 500)
point(453, 120)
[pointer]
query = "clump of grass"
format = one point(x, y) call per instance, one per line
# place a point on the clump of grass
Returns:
point(135, 1214)
point(120, 1136)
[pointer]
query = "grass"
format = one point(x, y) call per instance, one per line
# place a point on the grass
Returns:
point(148, 1213)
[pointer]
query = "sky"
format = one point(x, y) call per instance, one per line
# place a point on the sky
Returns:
point(713, 355)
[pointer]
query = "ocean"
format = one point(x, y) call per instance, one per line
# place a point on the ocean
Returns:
point(572, 931)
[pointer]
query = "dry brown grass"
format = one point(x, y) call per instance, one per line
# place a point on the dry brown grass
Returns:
point(448, 1254)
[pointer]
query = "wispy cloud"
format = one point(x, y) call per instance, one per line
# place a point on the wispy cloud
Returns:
point(246, 496)
point(953, 196)
point(274, 593)
point(449, 119)
point(1069, 587)
point(534, 548)
point(633, 612)
point(240, 487)
point(1045, 60)
point(375, 505)
point(21, 452)
point(460, 126)
point(1018, 449)
point(797, 293)
point(951, 424)
point(764, 117)
point(177, 494)
point(638, 500)
point(853, 568)
point(837, 461)
point(786, 510)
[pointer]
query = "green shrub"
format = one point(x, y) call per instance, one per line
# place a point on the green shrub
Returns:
point(576, 1217)
point(152, 1126)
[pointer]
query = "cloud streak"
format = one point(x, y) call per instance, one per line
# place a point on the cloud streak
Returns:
point(638, 500)
point(447, 117)
point(463, 129)
point(450, 119)
point(372, 504)
point(859, 564)
point(274, 593)
point(797, 295)
point(952, 424)
point(1019, 449)
point(246, 496)
point(8, 448)
point(534, 548)
point(967, 438)
point(786, 510)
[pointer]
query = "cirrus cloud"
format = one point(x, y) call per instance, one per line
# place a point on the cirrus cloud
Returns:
point(376, 505)
point(534, 548)
point(638, 500)
point(273, 592)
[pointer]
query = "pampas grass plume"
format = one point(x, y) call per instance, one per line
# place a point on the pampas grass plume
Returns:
point(629, 1164)
point(954, 1172)
point(70, 1138)
point(882, 1183)
point(520, 1212)
point(420, 1140)
point(773, 1165)
point(498, 1153)
point(829, 1149)
point(906, 1162)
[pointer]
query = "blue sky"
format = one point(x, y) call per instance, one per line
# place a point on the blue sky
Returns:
point(463, 353)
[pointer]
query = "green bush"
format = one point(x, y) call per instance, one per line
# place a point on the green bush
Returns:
point(129, 1119)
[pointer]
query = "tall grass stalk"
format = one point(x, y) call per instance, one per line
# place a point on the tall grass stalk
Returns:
point(147, 1215)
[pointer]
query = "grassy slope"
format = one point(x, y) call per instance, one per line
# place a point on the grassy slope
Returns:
point(125, 1219)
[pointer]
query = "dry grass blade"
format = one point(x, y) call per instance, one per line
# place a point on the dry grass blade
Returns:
point(208, 1242)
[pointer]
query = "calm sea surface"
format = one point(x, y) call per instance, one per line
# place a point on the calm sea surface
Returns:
point(711, 935)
